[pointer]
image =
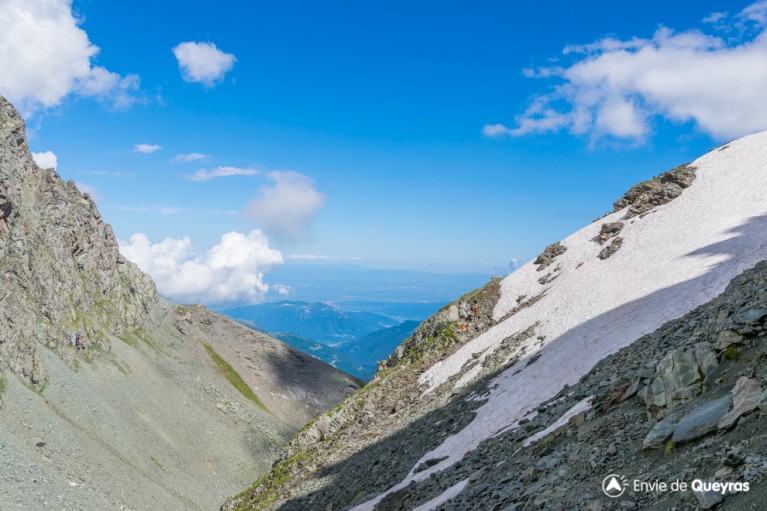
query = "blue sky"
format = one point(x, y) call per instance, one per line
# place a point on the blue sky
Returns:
point(437, 136)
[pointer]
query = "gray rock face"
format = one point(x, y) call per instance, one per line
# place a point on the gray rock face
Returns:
point(609, 230)
point(659, 190)
point(62, 278)
point(548, 255)
point(728, 338)
point(697, 423)
point(658, 435)
point(701, 421)
point(611, 249)
point(679, 376)
point(745, 398)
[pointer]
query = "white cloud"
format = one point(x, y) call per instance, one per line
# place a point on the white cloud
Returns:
point(46, 160)
point(203, 62)
point(281, 289)
point(205, 175)
point(231, 271)
point(614, 88)
point(189, 157)
point(714, 17)
point(756, 12)
point(286, 207)
point(146, 148)
point(46, 56)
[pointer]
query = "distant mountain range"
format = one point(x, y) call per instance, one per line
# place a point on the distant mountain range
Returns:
point(318, 321)
point(353, 340)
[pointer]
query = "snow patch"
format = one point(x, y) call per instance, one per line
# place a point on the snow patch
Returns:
point(581, 406)
point(444, 497)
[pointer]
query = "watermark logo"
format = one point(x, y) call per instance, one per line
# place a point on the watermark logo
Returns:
point(614, 485)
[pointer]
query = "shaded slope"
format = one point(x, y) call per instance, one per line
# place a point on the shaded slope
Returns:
point(292, 385)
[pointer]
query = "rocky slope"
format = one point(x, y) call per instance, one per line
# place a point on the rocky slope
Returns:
point(639, 360)
point(111, 397)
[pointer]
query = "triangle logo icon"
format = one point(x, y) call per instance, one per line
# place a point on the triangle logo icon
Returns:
point(614, 485)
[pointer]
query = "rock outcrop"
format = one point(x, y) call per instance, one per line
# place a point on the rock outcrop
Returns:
point(654, 192)
point(546, 258)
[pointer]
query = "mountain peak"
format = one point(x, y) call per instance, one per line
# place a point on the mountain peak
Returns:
point(62, 277)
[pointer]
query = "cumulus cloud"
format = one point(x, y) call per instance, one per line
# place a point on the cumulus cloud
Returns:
point(146, 148)
point(203, 62)
point(46, 160)
point(206, 175)
point(46, 56)
point(233, 270)
point(189, 157)
point(618, 88)
point(287, 206)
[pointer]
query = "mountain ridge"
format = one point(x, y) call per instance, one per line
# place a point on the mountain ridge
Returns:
point(486, 365)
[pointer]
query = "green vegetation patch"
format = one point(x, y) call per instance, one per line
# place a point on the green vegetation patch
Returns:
point(3, 386)
point(228, 372)
point(263, 493)
point(435, 343)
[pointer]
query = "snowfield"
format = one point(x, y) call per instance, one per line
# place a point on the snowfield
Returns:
point(678, 256)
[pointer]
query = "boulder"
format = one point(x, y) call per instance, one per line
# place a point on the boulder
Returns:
point(658, 435)
point(745, 398)
point(701, 421)
point(752, 316)
point(678, 377)
point(609, 230)
point(728, 338)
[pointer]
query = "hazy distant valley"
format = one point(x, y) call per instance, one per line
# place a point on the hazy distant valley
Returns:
point(353, 339)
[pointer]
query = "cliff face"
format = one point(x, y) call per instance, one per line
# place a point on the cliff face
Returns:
point(63, 282)
point(620, 349)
